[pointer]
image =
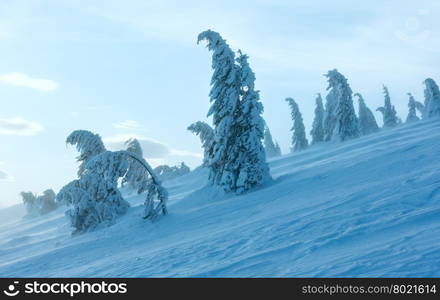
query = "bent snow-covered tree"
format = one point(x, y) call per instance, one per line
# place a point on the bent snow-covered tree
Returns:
point(238, 160)
point(299, 140)
point(432, 99)
point(344, 123)
point(412, 113)
point(95, 198)
point(206, 135)
point(272, 148)
point(157, 196)
point(88, 145)
point(317, 131)
point(367, 121)
point(388, 111)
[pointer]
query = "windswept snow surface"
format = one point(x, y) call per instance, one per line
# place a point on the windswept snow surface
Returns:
point(367, 207)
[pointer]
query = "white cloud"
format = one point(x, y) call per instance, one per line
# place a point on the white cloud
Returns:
point(19, 126)
point(155, 152)
point(5, 177)
point(151, 148)
point(128, 125)
point(24, 80)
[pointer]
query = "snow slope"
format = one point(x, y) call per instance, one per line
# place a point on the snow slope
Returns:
point(368, 207)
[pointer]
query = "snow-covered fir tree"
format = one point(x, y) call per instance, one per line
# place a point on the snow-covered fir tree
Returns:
point(343, 124)
point(331, 106)
point(206, 135)
point(238, 160)
point(412, 114)
point(420, 108)
point(88, 145)
point(249, 160)
point(225, 98)
point(367, 121)
point(135, 175)
point(388, 111)
point(299, 140)
point(272, 148)
point(317, 131)
point(432, 99)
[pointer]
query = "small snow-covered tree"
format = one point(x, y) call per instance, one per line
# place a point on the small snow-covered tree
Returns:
point(46, 202)
point(388, 111)
point(30, 202)
point(41, 204)
point(299, 140)
point(272, 148)
point(165, 172)
point(331, 104)
point(317, 131)
point(367, 121)
point(412, 114)
point(344, 123)
point(88, 145)
point(225, 98)
point(432, 99)
point(135, 175)
point(206, 135)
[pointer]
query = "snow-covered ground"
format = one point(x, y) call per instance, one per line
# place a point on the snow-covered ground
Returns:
point(368, 207)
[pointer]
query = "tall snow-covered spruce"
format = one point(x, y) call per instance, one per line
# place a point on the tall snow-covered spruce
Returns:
point(272, 148)
point(412, 113)
point(299, 140)
point(225, 98)
point(342, 123)
point(367, 121)
point(206, 135)
point(432, 99)
point(238, 161)
point(317, 131)
point(388, 111)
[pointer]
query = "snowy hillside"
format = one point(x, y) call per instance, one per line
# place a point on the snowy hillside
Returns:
point(367, 207)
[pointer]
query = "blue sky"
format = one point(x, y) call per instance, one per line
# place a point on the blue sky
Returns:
point(133, 69)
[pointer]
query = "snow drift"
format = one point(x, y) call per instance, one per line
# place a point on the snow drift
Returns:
point(366, 207)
